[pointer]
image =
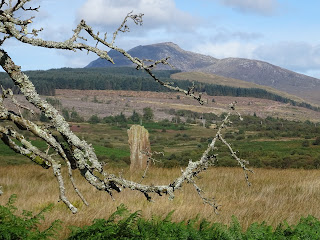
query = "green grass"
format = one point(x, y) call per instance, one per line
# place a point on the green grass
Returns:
point(161, 125)
point(282, 148)
point(5, 150)
point(255, 146)
point(116, 152)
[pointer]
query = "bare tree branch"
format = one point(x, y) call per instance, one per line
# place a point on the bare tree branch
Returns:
point(124, 28)
point(76, 153)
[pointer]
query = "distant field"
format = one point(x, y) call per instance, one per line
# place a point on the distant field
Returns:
point(266, 145)
point(111, 102)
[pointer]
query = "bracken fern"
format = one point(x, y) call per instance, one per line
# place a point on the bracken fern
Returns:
point(26, 225)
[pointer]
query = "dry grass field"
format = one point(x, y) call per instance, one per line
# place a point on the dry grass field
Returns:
point(275, 195)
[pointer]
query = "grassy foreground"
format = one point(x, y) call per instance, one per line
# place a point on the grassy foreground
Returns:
point(275, 196)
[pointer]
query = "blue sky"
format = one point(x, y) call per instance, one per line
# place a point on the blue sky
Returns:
point(282, 32)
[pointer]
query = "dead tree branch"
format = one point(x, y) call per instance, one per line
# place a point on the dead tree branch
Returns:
point(77, 153)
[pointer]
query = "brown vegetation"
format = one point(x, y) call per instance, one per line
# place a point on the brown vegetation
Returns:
point(110, 103)
point(275, 195)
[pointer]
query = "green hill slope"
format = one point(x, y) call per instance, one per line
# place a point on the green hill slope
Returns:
point(231, 82)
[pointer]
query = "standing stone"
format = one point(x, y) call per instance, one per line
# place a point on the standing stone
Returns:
point(139, 143)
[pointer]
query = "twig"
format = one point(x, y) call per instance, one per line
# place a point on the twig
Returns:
point(150, 158)
point(82, 155)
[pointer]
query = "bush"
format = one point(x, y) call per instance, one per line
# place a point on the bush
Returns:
point(240, 137)
point(148, 114)
point(305, 143)
point(65, 114)
point(54, 102)
point(75, 117)
point(94, 119)
point(43, 118)
point(124, 228)
point(317, 141)
point(24, 226)
point(229, 135)
point(125, 225)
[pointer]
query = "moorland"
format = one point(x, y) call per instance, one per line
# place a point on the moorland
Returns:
point(280, 138)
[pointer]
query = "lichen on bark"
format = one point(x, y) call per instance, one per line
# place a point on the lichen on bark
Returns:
point(69, 148)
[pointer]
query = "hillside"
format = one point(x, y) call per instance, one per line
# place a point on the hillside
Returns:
point(248, 70)
point(266, 74)
point(111, 103)
point(128, 78)
point(232, 82)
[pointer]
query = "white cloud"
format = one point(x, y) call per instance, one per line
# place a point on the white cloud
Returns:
point(313, 73)
point(300, 57)
point(157, 13)
point(297, 56)
point(263, 7)
point(226, 50)
point(223, 35)
point(79, 59)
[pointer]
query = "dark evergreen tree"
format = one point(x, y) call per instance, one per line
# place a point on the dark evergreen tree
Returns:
point(135, 117)
point(148, 114)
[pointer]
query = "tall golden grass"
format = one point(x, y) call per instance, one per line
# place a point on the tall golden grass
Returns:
point(275, 195)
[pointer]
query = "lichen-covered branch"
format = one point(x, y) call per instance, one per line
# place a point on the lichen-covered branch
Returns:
point(36, 156)
point(74, 152)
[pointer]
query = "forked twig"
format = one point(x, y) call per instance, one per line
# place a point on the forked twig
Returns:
point(77, 153)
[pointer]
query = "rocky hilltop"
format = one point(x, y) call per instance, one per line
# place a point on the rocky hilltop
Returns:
point(179, 58)
point(254, 71)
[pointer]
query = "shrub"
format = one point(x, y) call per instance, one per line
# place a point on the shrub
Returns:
point(65, 114)
point(240, 137)
point(125, 225)
point(24, 226)
point(148, 114)
point(305, 143)
point(43, 118)
point(108, 145)
point(229, 135)
point(75, 117)
point(124, 228)
point(135, 117)
point(317, 141)
point(94, 119)
point(54, 102)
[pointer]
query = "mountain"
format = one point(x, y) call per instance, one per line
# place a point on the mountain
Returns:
point(179, 58)
point(248, 70)
point(266, 74)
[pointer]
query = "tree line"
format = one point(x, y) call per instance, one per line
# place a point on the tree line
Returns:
point(128, 78)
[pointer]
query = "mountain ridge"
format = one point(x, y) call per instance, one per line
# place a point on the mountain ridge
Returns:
point(179, 58)
point(255, 71)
